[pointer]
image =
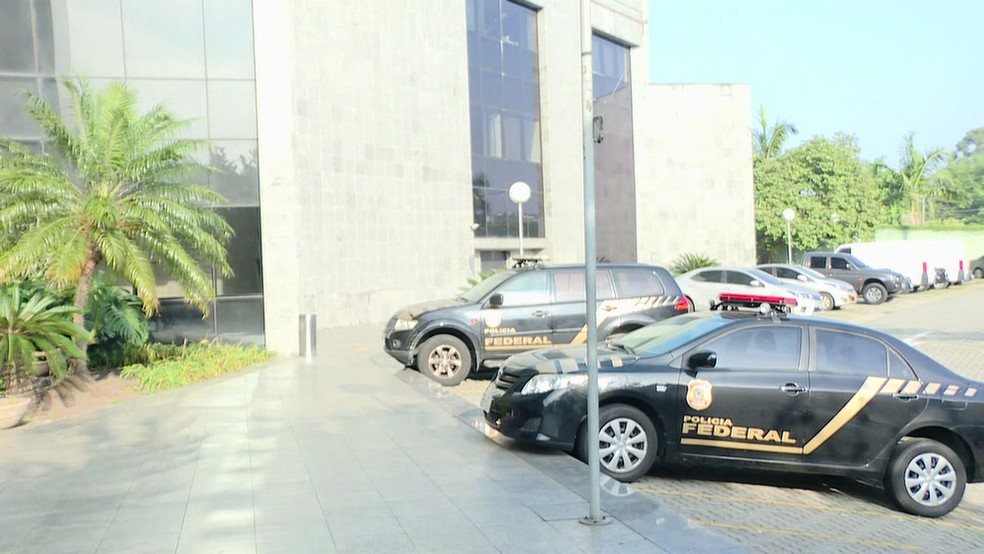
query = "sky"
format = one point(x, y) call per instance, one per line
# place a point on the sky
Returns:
point(877, 69)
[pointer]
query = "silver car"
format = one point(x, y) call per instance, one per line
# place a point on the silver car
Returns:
point(833, 293)
point(705, 286)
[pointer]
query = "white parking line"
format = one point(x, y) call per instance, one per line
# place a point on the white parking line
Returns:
point(914, 339)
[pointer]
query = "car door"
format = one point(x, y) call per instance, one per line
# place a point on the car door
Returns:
point(862, 393)
point(523, 319)
point(569, 318)
point(819, 263)
point(753, 402)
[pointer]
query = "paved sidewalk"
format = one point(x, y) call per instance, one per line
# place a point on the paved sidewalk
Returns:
point(349, 453)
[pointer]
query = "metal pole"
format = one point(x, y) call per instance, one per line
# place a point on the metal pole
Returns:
point(520, 229)
point(587, 120)
point(789, 241)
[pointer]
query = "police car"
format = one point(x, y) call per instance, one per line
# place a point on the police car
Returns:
point(527, 308)
point(768, 391)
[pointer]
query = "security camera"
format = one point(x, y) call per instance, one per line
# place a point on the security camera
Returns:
point(474, 226)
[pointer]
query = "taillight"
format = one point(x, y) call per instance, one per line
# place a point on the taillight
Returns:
point(683, 305)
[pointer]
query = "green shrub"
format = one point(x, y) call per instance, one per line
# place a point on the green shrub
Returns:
point(167, 366)
point(690, 261)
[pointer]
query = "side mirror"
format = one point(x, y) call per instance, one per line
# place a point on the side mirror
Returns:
point(495, 300)
point(704, 358)
point(801, 277)
point(755, 283)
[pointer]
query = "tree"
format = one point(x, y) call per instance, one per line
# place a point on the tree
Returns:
point(916, 170)
point(832, 191)
point(964, 177)
point(113, 190)
point(767, 142)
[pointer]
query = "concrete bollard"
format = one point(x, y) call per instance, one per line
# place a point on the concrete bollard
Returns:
point(308, 336)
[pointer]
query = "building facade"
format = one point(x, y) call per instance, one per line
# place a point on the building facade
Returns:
point(367, 148)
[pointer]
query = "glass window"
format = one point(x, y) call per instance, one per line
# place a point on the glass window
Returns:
point(709, 276)
point(45, 38)
point(759, 348)
point(850, 354)
point(637, 282)
point(244, 253)
point(818, 262)
point(527, 289)
point(839, 263)
point(238, 178)
point(16, 37)
point(784, 273)
point(164, 40)
point(186, 99)
point(229, 39)
point(231, 110)
point(240, 320)
point(15, 122)
point(738, 278)
point(569, 286)
point(177, 321)
point(898, 368)
point(95, 36)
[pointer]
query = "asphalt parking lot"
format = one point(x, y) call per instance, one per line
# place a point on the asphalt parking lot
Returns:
point(777, 513)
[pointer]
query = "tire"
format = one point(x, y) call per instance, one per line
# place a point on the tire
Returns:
point(619, 421)
point(874, 293)
point(693, 307)
point(906, 480)
point(826, 302)
point(445, 359)
point(978, 273)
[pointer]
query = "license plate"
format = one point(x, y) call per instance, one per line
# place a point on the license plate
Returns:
point(487, 398)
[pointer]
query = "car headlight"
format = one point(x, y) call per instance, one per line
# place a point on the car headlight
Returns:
point(545, 383)
point(404, 324)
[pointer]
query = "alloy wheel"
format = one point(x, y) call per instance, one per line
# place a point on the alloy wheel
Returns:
point(623, 445)
point(930, 479)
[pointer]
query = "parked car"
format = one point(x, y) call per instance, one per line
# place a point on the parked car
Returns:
point(806, 395)
point(874, 285)
point(926, 263)
point(705, 286)
point(833, 293)
point(977, 267)
point(524, 309)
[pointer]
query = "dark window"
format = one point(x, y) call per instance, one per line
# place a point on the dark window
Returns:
point(784, 273)
point(527, 289)
point(710, 276)
point(897, 368)
point(637, 282)
point(850, 354)
point(839, 263)
point(738, 278)
point(818, 262)
point(759, 348)
point(569, 286)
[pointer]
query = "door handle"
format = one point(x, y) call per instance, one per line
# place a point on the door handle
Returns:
point(539, 313)
point(904, 397)
point(608, 308)
point(792, 389)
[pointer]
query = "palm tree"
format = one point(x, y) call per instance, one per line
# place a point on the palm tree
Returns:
point(915, 169)
point(768, 142)
point(113, 190)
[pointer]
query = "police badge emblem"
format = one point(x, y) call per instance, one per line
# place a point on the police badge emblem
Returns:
point(699, 394)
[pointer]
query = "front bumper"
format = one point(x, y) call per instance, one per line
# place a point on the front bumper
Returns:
point(397, 344)
point(550, 419)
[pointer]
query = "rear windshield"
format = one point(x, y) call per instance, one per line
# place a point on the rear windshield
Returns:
point(669, 334)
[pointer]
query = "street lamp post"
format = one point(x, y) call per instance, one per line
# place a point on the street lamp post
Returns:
point(519, 193)
point(788, 214)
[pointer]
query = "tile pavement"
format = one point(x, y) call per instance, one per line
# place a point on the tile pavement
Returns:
point(348, 453)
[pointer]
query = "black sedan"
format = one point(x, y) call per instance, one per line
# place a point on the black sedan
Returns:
point(790, 394)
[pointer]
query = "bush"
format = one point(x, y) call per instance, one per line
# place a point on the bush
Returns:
point(167, 366)
point(690, 261)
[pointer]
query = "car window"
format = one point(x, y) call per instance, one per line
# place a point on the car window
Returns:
point(709, 276)
point(637, 282)
point(525, 290)
point(736, 278)
point(786, 273)
point(839, 263)
point(850, 354)
point(485, 286)
point(759, 348)
point(898, 368)
point(569, 285)
point(818, 262)
point(769, 270)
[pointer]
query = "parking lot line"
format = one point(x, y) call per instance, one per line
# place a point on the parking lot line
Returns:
point(814, 507)
point(810, 535)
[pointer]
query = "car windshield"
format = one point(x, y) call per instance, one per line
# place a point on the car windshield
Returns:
point(664, 336)
point(485, 286)
point(764, 277)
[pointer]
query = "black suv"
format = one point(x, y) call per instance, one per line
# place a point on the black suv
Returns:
point(525, 309)
point(874, 285)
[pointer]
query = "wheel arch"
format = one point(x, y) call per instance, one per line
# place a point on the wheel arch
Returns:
point(638, 404)
point(952, 440)
point(872, 281)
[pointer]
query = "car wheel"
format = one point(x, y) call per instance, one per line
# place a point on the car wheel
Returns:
point(445, 359)
point(925, 478)
point(693, 307)
point(874, 293)
point(826, 302)
point(627, 442)
point(978, 273)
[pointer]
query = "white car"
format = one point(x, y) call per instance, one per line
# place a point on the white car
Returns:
point(833, 293)
point(704, 287)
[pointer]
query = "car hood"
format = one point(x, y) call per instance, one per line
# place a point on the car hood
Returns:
point(414, 310)
point(567, 359)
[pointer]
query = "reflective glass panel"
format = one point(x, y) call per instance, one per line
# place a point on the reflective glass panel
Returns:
point(164, 39)
point(244, 253)
point(240, 320)
point(231, 110)
point(15, 122)
point(45, 39)
point(177, 322)
point(184, 98)
point(229, 39)
point(95, 36)
point(239, 177)
point(16, 37)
